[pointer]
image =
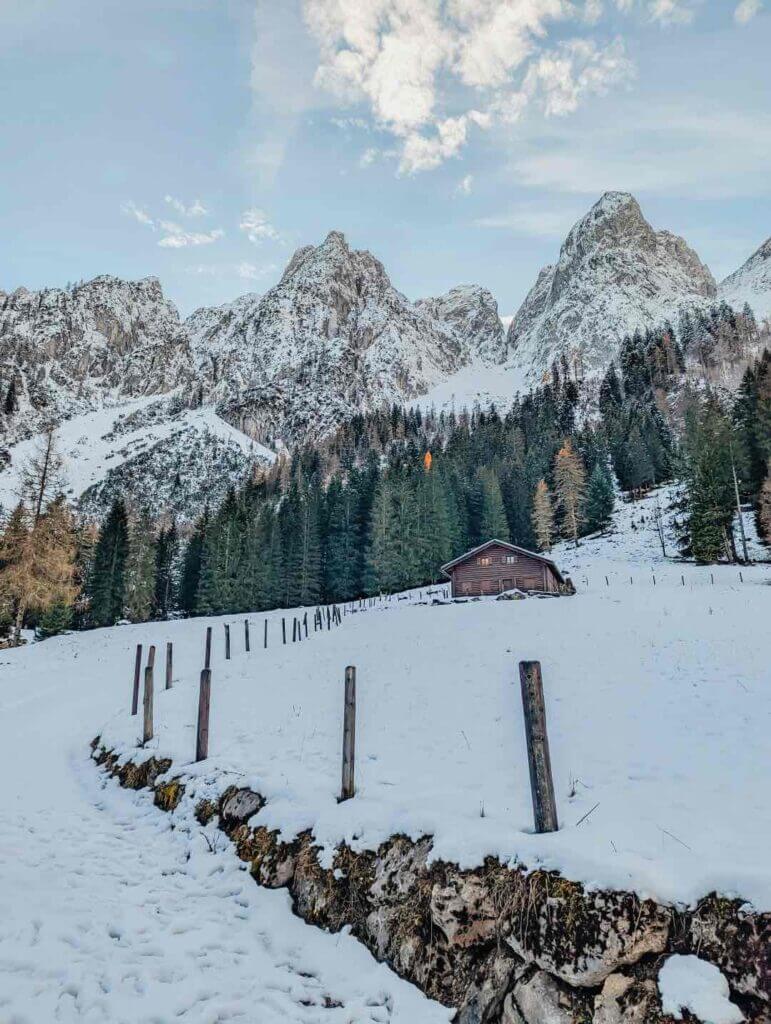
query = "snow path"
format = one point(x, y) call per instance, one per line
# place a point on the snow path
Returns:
point(107, 914)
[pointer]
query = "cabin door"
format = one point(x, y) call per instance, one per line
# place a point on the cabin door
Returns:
point(507, 585)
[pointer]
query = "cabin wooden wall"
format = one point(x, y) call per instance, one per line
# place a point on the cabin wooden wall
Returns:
point(473, 579)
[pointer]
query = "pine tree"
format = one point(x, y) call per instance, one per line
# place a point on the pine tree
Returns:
point(543, 516)
point(164, 589)
point(140, 569)
point(191, 566)
point(600, 499)
point(383, 572)
point(709, 476)
point(764, 509)
point(493, 518)
point(107, 584)
point(342, 542)
point(570, 485)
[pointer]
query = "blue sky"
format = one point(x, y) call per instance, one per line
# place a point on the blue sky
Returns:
point(201, 141)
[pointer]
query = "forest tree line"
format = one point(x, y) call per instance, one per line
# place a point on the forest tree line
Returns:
point(394, 494)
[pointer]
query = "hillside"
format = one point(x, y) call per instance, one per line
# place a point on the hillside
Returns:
point(657, 716)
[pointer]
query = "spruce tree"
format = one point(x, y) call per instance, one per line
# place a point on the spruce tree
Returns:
point(191, 566)
point(493, 524)
point(165, 565)
point(709, 477)
point(600, 499)
point(140, 569)
point(107, 584)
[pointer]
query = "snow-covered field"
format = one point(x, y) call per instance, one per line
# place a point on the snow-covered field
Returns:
point(108, 915)
point(659, 708)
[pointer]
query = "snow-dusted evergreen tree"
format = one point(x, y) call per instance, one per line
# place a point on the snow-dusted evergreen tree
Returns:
point(600, 499)
point(140, 568)
point(493, 518)
point(107, 582)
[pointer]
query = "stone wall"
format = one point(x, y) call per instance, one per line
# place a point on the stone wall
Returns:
point(503, 945)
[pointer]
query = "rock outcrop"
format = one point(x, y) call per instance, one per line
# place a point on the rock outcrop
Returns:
point(502, 945)
point(615, 274)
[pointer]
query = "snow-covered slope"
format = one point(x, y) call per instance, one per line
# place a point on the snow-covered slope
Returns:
point(614, 274)
point(651, 689)
point(751, 283)
point(154, 452)
point(109, 914)
point(471, 312)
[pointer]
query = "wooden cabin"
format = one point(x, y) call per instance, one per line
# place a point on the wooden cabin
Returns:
point(497, 566)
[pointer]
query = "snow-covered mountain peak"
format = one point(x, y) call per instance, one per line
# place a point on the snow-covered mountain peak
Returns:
point(615, 274)
point(751, 283)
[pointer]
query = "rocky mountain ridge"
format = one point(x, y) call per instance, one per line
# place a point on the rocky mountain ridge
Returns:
point(615, 274)
point(331, 339)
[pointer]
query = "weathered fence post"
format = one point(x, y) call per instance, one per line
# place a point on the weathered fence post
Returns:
point(137, 671)
point(349, 734)
point(227, 642)
point(202, 730)
point(329, 618)
point(283, 628)
point(169, 664)
point(207, 659)
point(305, 623)
point(147, 729)
point(246, 635)
point(265, 641)
point(541, 784)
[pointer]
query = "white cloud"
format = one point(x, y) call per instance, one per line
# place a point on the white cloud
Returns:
point(465, 185)
point(665, 12)
point(244, 270)
point(431, 71)
point(562, 77)
point(369, 156)
point(131, 208)
point(175, 236)
point(257, 227)
point(249, 272)
point(746, 11)
point(195, 209)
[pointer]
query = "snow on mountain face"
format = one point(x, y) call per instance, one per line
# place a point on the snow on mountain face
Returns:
point(333, 337)
point(614, 274)
point(471, 312)
point(751, 284)
point(66, 351)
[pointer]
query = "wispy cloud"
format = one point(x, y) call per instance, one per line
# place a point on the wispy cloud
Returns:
point(194, 209)
point(746, 11)
point(244, 270)
point(139, 214)
point(173, 235)
point(465, 185)
point(257, 227)
point(176, 237)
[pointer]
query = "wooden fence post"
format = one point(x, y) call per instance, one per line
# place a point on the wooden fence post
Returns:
point(207, 659)
point(227, 642)
point(202, 730)
point(147, 729)
point(541, 784)
point(265, 641)
point(246, 635)
point(283, 628)
point(169, 664)
point(137, 671)
point(305, 623)
point(349, 734)
point(151, 656)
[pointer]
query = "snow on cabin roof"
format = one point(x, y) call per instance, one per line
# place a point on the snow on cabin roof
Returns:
point(509, 547)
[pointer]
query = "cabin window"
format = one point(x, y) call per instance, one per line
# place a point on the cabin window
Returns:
point(509, 559)
point(484, 560)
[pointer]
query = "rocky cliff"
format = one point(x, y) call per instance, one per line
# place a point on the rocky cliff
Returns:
point(751, 284)
point(614, 274)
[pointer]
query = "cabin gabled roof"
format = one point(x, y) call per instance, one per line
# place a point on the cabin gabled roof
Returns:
point(509, 547)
